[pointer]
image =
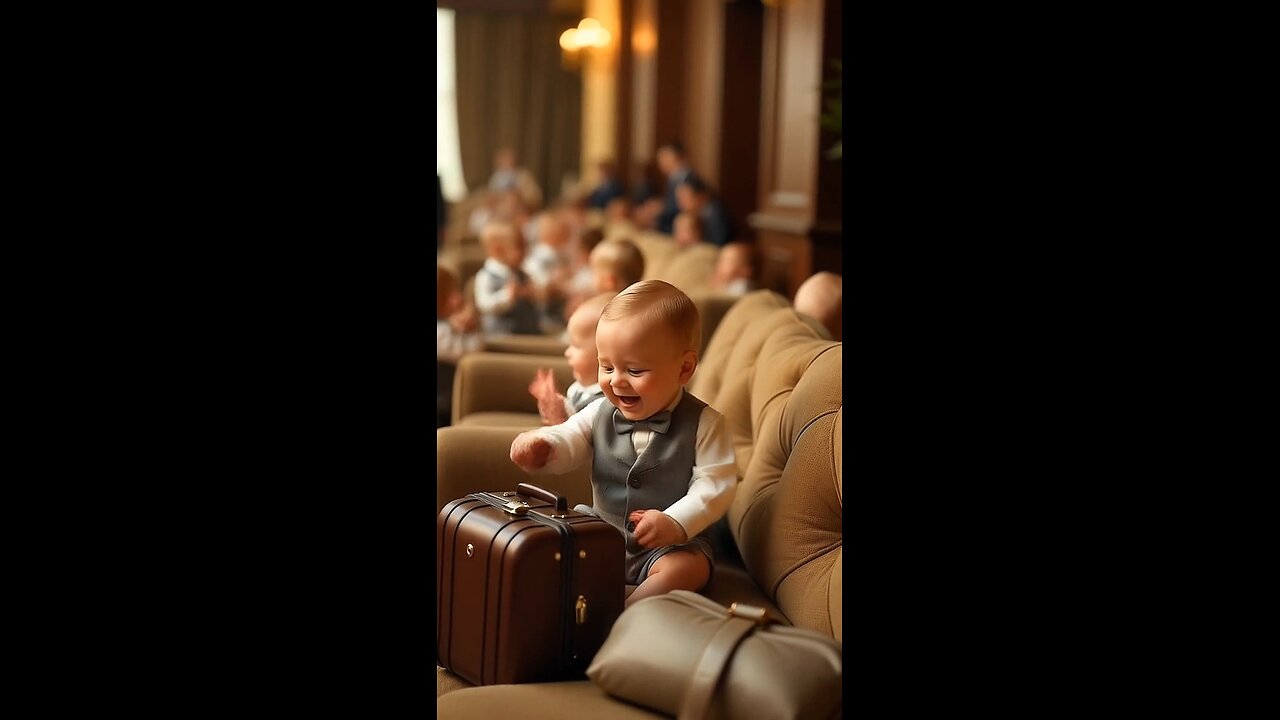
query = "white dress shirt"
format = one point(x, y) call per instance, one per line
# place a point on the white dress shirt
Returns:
point(451, 344)
point(542, 263)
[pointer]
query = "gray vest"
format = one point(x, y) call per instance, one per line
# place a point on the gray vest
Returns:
point(620, 484)
point(520, 319)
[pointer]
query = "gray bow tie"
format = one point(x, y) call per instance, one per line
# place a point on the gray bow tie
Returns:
point(659, 423)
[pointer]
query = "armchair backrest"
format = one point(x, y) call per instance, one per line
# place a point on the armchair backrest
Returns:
point(786, 518)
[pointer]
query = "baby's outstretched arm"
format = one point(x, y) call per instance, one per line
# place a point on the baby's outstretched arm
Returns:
point(530, 452)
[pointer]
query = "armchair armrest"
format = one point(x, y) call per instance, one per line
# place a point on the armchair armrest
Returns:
point(499, 382)
point(474, 459)
point(526, 344)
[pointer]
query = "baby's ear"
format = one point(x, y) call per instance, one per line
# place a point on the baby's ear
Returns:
point(687, 365)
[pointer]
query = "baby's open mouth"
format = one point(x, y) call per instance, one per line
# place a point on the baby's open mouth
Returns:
point(628, 400)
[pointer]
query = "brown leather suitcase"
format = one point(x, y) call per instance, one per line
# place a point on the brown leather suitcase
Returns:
point(526, 589)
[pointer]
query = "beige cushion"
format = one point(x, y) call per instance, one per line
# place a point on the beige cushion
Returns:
point(448, 682)
point(524, 421)
point(580, 700)
point(742, 314)
point(690, 268)
point(734, 399)
point(730, 583)
point(787, 514)
point(527, 344)
point(656, 249)
point(475, 459)
point(499, 382)
point(712, 308)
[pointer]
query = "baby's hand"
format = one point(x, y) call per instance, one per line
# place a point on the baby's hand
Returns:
point(544, 383)
point(656, 529)
point(465, 320)
point(521, 290)
point(552, 409)
point(530, 452)
point(550, 402)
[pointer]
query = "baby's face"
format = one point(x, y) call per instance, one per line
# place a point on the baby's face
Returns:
point(687, 199)
point(448, 303)
point(684, 233)
point(730, 266)
point(510, 254)
point(555, 236)
point(617, 210)
point(641, 365)
point(581, 352)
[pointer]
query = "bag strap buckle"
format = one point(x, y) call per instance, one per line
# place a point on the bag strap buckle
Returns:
point(758, 615)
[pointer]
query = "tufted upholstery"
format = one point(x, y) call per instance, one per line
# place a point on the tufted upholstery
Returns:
point(781, 389)
point(690, 268)
point(711, 367)
point(790, 489)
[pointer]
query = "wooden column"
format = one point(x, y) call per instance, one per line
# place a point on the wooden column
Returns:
point(599, 91)
point(644, 94)
point(828, 227)
point(739, 133)
point(791, 78)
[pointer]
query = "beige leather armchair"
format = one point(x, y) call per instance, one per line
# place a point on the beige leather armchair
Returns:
point(493, 388)
point(780, 388)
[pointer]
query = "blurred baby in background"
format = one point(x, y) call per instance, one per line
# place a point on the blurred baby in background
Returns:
point(735, 269)
point(503, 294)
point(581, 354)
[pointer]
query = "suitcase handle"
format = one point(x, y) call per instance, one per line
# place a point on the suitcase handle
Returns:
point(560, 501)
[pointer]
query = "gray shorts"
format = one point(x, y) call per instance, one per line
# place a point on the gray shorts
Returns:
point(640, 560)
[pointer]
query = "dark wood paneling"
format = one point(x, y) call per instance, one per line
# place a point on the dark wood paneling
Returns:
point(786, 175)
point(644, 103)
point(785, 261)
point(626, 60)
point(672, 73)
point(740, 118)
point(828, 230)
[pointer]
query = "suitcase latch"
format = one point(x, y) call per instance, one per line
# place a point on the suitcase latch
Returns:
point(580, 610)
point(515, 507)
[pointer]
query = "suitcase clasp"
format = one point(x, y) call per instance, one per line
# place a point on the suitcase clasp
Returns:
point(580, 610)
point(515, 507)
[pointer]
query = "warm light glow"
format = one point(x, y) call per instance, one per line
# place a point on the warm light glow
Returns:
point(588, 34)
point(644, 41)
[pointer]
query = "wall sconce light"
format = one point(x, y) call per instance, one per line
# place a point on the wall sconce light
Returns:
point(588, 34)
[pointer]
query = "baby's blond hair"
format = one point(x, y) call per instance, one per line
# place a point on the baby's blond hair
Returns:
point(621, 257)
point(655, 300)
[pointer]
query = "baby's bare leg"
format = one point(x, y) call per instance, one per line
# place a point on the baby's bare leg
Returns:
point(679, 570)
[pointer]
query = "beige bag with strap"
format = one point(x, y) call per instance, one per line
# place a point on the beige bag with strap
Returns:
point(685, 655)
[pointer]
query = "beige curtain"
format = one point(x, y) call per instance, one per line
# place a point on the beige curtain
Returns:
point(513, 92)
